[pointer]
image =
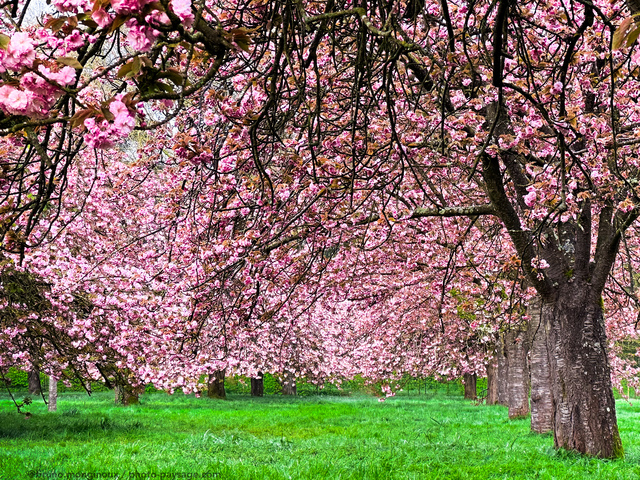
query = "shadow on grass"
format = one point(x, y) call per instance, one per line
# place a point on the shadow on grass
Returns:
point(55, 426)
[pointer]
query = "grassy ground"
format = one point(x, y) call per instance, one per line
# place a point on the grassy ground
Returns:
point(173, 437)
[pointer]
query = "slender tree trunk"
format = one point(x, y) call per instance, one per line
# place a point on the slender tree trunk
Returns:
point(470, 386)
point(216, 385)
point(502, 372)
point(584, 416)
point(289, 384)
point(492, 383)
point(518, 373)
point(53, 394)
point(34, 382)
point(257, 386)
point(541, 400)
point(126, 395)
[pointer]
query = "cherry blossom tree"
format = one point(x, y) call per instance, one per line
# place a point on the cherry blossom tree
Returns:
point(307, 123)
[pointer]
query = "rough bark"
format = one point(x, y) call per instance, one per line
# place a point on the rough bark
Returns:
point(518, 373)
point(541, 400)
point(584, 417)
point(53, 394)
point(257, 386)
point(470, 386)
point(126, 395)
point(289, 384)
point(502, 373)
point(34, 382)
point(492, 383)
point(215, 385)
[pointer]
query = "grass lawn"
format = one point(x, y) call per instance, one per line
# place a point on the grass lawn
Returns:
point(173, 437)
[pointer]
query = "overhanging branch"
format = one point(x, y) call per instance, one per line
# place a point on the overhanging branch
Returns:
point(470, 211)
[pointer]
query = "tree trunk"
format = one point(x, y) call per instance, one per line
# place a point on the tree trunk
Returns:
point(502, 373)
point(541, 400)
point(216, 385)
point(257, 386)
point(470, 388)
point(584, 416)
point(492, 383)
point(289, 384)
point(517, 373)
point(34, 382)
point(53, 394)
point(126, 395)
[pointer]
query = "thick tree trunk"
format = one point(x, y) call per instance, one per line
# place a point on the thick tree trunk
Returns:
point(216, 385)
point(492, 383)
point(53, 394)
point(518, 373)
point(34, 382)
point(541, 400)
point(257, 386)
point(126, 395)
point(289, 384)
point(470, 386)
point(584, 416)
point(502, 373)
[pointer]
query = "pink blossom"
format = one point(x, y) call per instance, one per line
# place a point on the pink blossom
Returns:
point(66, 75)
point(102, 18)
point(126, 7)
point(14, 101)
point(182, 8)
point(20, 53)
point(104, 134)
point(531, 197)
point(124, 122)
point(74, 41)
point(141, 37)
point(74, 6)
point(157, 18)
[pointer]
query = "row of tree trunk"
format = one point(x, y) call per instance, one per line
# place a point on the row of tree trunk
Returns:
point(521, 372)
point(216, 389)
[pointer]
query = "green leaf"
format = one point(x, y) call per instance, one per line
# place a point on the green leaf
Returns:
point(88, 22)
point(621, 33)
point(125, 70)
point(106, 113)
point(173, 76)
point(241, 37)
point(4, 41)
point(70, 61)
point(80, 116)
point(131, 69)
point(165, 87)
point(55, 24)
point(633, 36)
point(117, 23)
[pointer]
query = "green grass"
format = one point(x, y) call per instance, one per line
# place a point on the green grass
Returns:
point(428, 436)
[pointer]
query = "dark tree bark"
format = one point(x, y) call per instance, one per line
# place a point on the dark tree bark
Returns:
point(53, 394)
point(34, 382)
point(257, 386)
point(584, 417)
point(289, 384)
point(571, 286)
point(502, 373)
point(492, 383)
point(470, 381)
point(518, 373)
point(541, 400)
point(126, 395)
point(215, 385)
